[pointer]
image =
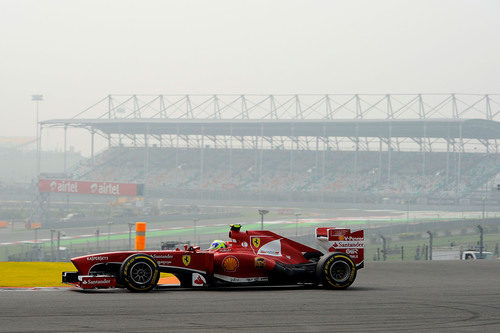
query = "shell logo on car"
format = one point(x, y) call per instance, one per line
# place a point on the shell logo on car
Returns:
point(230, 264)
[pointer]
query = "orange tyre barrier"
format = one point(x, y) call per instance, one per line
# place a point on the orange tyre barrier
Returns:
point(140, 236)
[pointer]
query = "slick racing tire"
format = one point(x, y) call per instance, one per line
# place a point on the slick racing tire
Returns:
point(336, 271)
point(139, 273)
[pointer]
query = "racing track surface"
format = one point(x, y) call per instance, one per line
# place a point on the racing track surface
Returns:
point(413, 296)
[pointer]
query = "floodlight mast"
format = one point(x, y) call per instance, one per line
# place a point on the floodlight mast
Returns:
point(37, 99)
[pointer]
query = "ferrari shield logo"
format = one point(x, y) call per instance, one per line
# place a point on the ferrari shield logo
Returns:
point(186, 259)
point(256, 242)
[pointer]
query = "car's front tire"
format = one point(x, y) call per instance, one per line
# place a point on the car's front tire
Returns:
point(139, 273)
point(336, 271)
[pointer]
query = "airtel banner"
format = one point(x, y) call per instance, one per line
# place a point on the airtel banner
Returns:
point(85, 187)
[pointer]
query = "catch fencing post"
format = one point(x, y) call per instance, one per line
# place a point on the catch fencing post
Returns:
point(430, 244)
point(109, 235)
point(52, 231)
point(97, 238)
point(402, 253)
point(195, 220)
point(481, 231)
point(297, 224)
point(130, 226)
point(262, 212)
point(58, 245)
point(384, 248)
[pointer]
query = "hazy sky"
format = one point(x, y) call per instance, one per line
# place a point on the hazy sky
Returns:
point(76, 52)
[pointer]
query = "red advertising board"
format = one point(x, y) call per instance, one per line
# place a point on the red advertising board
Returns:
point(86, 187)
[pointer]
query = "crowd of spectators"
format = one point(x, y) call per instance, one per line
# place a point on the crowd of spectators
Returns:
point(410, 173)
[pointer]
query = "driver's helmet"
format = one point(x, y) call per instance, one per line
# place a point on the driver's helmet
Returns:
point(217, 244)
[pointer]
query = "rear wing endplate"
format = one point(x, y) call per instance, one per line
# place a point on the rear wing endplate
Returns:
point(343, 240)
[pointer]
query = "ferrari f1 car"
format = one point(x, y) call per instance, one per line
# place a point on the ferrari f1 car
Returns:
point(252, 257)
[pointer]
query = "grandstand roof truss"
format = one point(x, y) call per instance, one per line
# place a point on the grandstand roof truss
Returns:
point(279, 107)
point(418, 122)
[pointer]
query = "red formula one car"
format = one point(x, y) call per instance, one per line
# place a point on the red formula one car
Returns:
point(253, 257)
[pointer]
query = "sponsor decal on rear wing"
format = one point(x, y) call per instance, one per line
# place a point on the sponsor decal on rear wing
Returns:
point(343, 240)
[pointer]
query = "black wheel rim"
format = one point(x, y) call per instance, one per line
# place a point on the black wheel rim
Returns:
point(141, 273)
point(340, 271)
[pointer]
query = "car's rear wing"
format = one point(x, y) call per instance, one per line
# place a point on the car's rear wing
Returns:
point(343, 240)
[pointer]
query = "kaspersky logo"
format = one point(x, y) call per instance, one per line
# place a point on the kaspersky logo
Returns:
point(97, 258)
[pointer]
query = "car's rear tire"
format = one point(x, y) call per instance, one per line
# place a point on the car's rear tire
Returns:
point(139, 273)
point(336, 271)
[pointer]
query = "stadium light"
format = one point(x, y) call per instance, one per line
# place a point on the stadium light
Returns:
point(37, 99)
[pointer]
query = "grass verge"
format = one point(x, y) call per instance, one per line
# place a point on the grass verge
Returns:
point(45, 274)
point(33, 274)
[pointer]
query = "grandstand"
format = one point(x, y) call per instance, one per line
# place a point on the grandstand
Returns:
point(343, 148)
